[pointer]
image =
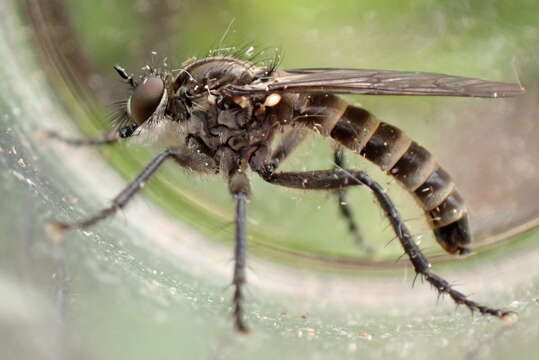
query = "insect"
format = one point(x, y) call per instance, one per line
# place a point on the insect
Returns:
point(220, 115)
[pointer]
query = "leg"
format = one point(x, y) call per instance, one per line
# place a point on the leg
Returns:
point(325, 180)
point(239, 277)
point(239, 188)
point(344, 208)
point(107, 139)
point(120, 200)
point(290, 142)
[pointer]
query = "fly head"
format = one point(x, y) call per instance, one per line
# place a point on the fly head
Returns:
point(147, 101)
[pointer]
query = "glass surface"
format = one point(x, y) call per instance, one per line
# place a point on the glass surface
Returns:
point(152, 281)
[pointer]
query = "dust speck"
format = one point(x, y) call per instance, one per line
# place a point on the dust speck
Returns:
point(307, 332)
point(509, 319)
point(365, 336)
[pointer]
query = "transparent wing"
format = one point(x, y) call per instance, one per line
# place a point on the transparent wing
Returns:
point(377, 82)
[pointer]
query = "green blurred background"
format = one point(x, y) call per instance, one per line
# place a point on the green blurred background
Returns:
point(125, 292)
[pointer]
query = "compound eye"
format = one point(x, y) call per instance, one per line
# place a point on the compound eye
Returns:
point(145, 99)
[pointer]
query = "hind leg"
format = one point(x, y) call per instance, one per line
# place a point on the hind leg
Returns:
point(338, 179)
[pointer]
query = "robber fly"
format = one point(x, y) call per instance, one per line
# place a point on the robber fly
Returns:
point(220, 114)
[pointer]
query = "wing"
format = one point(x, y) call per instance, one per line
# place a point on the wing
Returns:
point(377, 82)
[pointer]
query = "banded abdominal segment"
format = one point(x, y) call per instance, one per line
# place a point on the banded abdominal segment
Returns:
point(397, 155)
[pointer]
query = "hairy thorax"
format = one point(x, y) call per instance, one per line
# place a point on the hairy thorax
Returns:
point(215, 124)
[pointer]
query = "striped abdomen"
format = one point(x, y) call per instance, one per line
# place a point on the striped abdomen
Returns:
point(399, 156)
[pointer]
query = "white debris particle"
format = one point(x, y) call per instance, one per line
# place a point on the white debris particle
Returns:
point(307, 332)
point(22, 178)
point(250, 51)
point(21, 163)
point(18, 175)
point(365, 336)
point(509, 319)
point(72, 199)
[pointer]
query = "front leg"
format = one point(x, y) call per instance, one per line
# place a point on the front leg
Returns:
point(338, 179)
point(108, 139)
point(120, 201)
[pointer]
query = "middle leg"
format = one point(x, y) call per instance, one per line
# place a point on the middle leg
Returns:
point(344, 207)
point(291, 140)
point(289, 143)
